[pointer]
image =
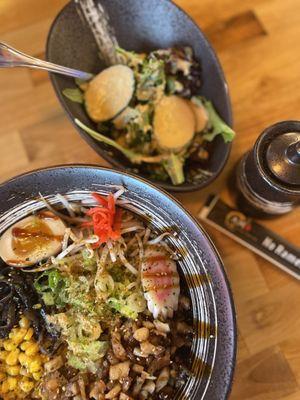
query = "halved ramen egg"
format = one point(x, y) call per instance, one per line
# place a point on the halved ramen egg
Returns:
point(32, 239)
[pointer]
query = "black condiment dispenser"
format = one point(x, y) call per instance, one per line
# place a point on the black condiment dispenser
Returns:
point(267, 178)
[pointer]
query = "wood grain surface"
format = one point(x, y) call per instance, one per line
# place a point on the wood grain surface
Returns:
point(258, 43)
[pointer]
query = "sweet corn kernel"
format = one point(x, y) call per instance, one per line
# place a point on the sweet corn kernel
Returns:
point(40, 358)
point(29, 334)
point(12, 382)
point(37, 375)
point(32, 349)
point(10, 396)
point(13, 370)
point(24, 360)
point(24, 346)
point(24, 372)
point(3, 355)
point(12, 333)
point(17, 335)
point(4, 387)
point(26, 385)
point(24, 323)
point(35, 366)
point(12, 358)
point(20, 370)
point(9, 345)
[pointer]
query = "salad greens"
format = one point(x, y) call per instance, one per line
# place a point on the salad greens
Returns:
point(75, 95)
point(216, 125)
point(135, 131)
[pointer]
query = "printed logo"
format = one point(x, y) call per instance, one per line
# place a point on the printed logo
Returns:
point(235, 220)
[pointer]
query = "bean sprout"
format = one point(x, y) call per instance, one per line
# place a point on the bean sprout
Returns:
point(66, 238)
point(146, 236)
point(112, 252)
point(119, 193)
point(126, 263)
point(66, 204)
point(61, 215)
point(141, 249)
point(159, 238)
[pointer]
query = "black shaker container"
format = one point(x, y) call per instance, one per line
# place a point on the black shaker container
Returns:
point(267, 178)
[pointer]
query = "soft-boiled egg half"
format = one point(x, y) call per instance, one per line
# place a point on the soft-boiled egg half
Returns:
point(32, 239)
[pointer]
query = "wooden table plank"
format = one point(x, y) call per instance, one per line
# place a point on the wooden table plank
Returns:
point(258, 43)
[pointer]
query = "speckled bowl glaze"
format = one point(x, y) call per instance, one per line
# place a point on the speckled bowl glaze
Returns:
point(140, 26)
point(213, 350)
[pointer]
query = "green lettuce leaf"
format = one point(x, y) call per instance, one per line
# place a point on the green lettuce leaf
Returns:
point(74, 95)
point(217, 125)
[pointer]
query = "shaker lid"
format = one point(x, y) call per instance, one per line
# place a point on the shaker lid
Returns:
point(283, 157)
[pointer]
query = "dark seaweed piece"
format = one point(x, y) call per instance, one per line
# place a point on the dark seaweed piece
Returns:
point(5, 292)
point(8, 317)
point(7, 309)
point(18, 296)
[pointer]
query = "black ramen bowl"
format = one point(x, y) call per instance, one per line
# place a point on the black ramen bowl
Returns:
point(140, 26)
point(214, 346)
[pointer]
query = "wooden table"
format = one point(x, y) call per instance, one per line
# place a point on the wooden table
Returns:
point(258, 42)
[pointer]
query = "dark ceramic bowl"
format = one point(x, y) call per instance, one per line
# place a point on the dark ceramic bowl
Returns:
point(214, 347)
point(140, 26)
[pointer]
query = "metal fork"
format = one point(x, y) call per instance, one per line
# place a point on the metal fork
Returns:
point(10, 57)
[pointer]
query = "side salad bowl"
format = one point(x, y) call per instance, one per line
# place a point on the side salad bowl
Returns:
point(213, 348)
point(141, 27)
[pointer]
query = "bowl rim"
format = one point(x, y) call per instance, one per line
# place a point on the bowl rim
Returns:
point(185, 187)
point(63, 168)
